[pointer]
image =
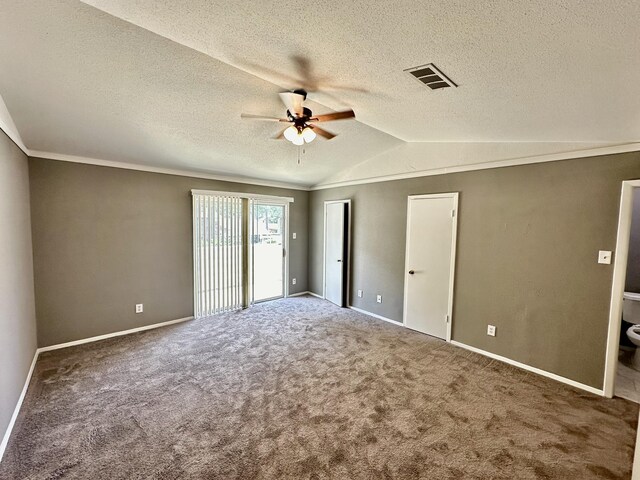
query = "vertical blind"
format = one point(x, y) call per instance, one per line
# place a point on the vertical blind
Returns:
point(217, 254)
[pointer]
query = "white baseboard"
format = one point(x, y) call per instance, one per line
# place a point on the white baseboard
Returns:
point(315, 295)
point(114, 334)
point(523, 366)
point(529, 368)
point(5, 439)
point(7, 433)
point(299, 294)
point(538, 371)
point(374, 315)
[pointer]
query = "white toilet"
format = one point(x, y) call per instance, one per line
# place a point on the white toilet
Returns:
point(631, 314)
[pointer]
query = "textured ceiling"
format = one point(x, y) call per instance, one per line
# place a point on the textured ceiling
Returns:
point(162, 83)
point(533, 71)
point(78, 81)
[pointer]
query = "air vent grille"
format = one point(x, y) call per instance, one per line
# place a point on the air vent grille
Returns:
point(431, 76)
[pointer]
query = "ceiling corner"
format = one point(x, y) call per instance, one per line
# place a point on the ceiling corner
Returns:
point(8, 126)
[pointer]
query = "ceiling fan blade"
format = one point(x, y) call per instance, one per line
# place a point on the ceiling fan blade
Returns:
point(293, 102)
point(250, 116)
point(322, 132)
point(333, 116)
point(279, 136)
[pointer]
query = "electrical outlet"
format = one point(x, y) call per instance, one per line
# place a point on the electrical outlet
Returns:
point(379, 298)
point(294, 235)
point(293, 282)
point(491, 330)
point(139, 308)
point(360, 293)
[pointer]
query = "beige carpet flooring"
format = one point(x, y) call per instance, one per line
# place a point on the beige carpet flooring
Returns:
point(301, 389)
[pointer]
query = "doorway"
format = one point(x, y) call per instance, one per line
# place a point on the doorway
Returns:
point(337, 242)
point(429, 263)
point(268, 251)
point(616, 373)
point(240, 250)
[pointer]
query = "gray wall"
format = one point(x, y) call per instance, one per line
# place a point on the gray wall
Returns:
point(105, 239)
point(528, 238)
point(632, 283)
point(17, 307)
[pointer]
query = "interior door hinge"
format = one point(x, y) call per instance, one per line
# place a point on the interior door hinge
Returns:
point(453, 213)
point(284, 252)
point(447, 318)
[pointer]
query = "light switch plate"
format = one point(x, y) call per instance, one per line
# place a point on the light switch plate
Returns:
point(293, 281)
point(139, 308)
point(491, 330)
point(604, 256)
point(360, 293)
point(294, 235)
point(379, 298)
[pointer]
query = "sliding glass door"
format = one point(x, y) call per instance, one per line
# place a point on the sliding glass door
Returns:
point(268, 254)
point(239, 246)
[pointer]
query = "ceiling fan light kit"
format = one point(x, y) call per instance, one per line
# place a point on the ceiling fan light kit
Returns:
point(299, 135)
point(303, 128)
point(308, 134)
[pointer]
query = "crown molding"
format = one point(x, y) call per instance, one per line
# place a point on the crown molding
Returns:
point(552, 157)
point(9, 128)
point(15, 138)
point(162, 170)
point(608, 150)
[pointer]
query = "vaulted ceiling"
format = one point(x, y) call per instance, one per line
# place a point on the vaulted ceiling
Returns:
point(159, 83)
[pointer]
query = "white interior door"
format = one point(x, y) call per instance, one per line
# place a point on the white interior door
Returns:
point(430, 259)
point(334, 261)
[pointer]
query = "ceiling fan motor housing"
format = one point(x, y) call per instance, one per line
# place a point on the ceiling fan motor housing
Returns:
point(297, 121)
point(303, 123)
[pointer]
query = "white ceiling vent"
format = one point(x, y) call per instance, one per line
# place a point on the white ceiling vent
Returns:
point(431, 76)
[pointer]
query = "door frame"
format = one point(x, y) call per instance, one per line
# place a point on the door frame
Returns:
point(452, 267)
point(280, 201)
point(620, 257)
point(347, 264)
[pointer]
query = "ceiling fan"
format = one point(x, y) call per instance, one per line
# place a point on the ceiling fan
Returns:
point(303, 128)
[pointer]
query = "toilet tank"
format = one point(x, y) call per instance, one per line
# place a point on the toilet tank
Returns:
point(631, 307)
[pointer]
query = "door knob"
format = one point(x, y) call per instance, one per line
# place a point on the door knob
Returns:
point(411, 272)
point(339, 260)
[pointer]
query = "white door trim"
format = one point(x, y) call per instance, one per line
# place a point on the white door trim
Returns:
point(452, 268)
point(287, 253)
point(617, 286)
point(347, 264)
